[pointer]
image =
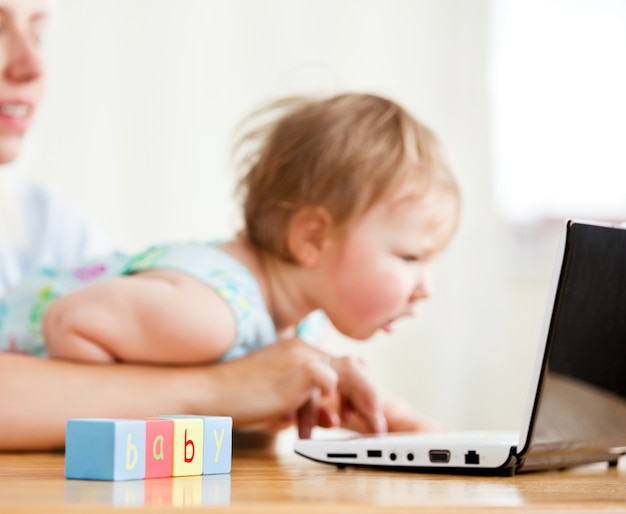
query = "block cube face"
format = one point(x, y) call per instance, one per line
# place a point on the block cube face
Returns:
point(159, 445)
point(105, 449)
point(218, 445)
point(187, 449)
point(130, 450)
point(89, 449)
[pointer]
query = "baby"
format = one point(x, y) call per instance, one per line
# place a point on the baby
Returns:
point(346, 201)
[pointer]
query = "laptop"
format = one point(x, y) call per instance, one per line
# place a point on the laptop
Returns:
point(576, 407)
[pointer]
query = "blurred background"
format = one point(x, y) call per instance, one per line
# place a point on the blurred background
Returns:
point(528, 96)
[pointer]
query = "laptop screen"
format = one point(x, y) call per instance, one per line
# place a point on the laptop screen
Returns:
point(583, 394)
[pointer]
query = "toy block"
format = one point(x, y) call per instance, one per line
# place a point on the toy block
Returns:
point(126, 449)
point(105, 449)
point(159, 441)
point(218, 443)
point(187, 445)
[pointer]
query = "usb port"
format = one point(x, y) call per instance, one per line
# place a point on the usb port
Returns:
point(374, 453)
point(439, 456)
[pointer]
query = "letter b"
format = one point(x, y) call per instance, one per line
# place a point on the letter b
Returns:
point(193, 449)
point(131, 454)
point(188, 439)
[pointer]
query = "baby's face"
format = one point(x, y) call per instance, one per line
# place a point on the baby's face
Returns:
point(380, 267)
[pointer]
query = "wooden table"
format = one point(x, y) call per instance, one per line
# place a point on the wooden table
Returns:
point(273, 482)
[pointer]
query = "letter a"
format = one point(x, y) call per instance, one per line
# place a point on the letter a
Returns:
point(131, 454)
point(193, 448)
point(158, 454)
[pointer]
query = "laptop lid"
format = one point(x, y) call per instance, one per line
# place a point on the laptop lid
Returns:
point(585, 323)
point(579, 413)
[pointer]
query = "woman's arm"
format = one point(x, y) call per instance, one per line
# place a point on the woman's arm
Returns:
point(266, 387)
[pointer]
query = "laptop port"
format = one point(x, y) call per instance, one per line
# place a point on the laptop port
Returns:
point(471, 457)
point(439, 456)
point(374, 453)
point(341, 455)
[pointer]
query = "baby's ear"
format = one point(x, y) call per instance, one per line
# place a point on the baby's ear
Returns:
point(308, 231)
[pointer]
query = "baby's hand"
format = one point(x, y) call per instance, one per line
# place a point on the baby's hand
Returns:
point(358, 405)
point(356, 400)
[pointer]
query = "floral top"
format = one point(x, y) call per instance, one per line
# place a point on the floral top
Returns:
point(21, 311)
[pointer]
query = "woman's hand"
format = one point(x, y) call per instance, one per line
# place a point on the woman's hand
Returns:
point(268, 387)
point(355, 397)
point(271, 388)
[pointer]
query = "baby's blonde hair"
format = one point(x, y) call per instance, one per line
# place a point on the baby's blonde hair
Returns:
point(344, 153)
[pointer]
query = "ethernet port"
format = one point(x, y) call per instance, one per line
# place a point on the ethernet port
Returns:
point(472, 457)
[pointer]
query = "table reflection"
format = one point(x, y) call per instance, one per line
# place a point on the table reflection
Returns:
point(192, 491)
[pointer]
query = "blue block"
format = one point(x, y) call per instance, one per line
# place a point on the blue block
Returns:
point(218, 443)
point(105, 449)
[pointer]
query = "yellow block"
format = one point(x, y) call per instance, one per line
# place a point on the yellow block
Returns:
point(188, 446)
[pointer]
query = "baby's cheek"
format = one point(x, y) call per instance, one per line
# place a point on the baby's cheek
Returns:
point(371, 300)
point(365, 290)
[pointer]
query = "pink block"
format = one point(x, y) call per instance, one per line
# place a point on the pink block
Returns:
point(159, 437)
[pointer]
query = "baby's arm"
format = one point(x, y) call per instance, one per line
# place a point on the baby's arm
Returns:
point(160, 316)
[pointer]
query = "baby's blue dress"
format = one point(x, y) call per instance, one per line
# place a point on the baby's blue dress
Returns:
point(21, 310)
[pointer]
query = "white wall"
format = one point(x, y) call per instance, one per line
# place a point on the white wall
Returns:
point(137, 124)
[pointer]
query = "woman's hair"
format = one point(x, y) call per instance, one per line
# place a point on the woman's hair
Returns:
point(344, 153)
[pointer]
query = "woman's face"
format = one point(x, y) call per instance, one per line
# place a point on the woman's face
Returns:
point(22, 23)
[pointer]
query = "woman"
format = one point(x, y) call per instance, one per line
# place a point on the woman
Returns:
point(37, 227)
point(38, 395)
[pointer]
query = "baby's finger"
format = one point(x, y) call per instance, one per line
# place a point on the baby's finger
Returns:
point(347, 411)
point(322, 380)
point(312, 414)
point(308, 415)
point(327, 417)
point(358, 390)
